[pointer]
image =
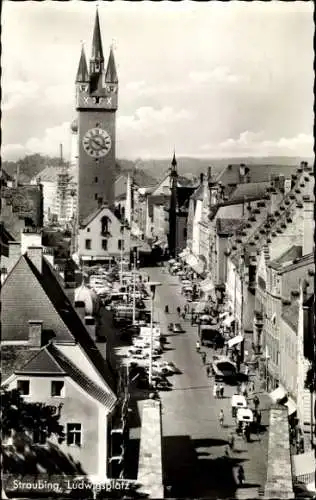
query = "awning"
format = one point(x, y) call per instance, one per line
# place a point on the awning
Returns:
point(278, 394)
point(235, 340)
point(304, 464)
point(200, 307)
point(191, 260)
point(228, 321)
point(207, 285)
point(291, 406)
point(222, 315)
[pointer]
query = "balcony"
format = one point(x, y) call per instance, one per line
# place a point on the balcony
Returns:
point(105, 234)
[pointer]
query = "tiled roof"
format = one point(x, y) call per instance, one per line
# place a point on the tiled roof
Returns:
point(198, 193)
point(51, 305)
point(4, 175)
point(71, 319)
point(107, 398)
point(228, 226)
point(302, 261)
point(42, 362)
point(257, 173)
point(287, 257)
point(249, 191)
point(285, 209)
point(5, 237)
point(290, 314)
point(13, 357)
point(49, 174)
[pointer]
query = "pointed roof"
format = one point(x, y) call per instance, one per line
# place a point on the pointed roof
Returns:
point(174, 161)
point(82, 73)
point(111, 74)
point(97, 51)
point(42, 362)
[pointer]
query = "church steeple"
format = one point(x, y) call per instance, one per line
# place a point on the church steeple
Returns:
point(82, 73)
point(97, 59)
point(173, 207)
point(111, 74)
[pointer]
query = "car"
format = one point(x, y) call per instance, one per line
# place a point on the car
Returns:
point(177, 328)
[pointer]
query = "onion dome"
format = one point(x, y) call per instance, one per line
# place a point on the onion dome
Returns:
point(74, 126)
point(89, 298)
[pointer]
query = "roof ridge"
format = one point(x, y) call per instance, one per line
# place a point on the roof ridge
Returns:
point(38, 353)
point(64, 359)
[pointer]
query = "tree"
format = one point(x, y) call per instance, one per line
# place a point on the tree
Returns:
point(18, 416)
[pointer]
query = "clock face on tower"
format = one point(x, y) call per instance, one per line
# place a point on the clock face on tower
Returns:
point(97, 142)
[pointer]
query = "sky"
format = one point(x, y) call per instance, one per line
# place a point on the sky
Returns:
point(213, 79)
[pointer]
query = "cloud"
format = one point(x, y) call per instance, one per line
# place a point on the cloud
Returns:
point(254, 144)
point(11, 152)
point(221, 74)
point(51, 140)
point(18, 93)
point(56, 95)
point(136, 85)
point(150, 121)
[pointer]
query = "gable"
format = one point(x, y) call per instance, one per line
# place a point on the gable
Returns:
point(41, 363)
point(163, 187)
point(23, 299)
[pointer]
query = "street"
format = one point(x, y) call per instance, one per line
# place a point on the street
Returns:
point(194, 444)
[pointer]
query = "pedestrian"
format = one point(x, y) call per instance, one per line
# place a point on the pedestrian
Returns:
point(203, 357)
point(183, 315)
point(215, 391)
point(241, 475)
point(227, 454)
point(208, 370)
point(198, 346)
point(178, 311)
point(232, 441)
point(256, 402)
point(221, 390)
point(221, 418)
point(246, 370)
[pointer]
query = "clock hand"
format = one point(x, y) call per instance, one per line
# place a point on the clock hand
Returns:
point(97, 141)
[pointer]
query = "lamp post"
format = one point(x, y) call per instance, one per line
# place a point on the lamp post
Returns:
point(134, 285)
point(121, 263)
point(152, 286)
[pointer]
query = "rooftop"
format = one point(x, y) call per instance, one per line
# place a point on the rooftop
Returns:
point(294, 252)
point(228, 226)
point(290, 314)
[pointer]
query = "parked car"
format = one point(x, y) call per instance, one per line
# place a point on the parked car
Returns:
point(177, 328)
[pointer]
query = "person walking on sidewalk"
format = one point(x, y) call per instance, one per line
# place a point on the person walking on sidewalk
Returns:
point(203, 355)
point(241, 475)
point(215, 391)
point(221, 391)
point(208, 370)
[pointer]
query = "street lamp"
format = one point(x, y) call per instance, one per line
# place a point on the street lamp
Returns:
point(121, 263)
point(152, 286)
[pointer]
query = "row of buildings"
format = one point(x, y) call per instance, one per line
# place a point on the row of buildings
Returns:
point(249, 232)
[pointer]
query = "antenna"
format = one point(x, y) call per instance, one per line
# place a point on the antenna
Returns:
point(61, 154)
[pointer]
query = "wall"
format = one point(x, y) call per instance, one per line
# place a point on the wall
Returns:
point(196, 228)
point(160, 221)
point(181, 226)
point(96, 238)
point(291, 235)
point(288, 358)
point(78, 407)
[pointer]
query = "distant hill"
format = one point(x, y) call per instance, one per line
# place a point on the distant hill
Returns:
point(31, 165)
point(194, 166)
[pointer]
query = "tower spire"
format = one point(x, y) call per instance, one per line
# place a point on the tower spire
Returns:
point(82, 73)
point(97, 51)
point(111, 74)
point(174, 161)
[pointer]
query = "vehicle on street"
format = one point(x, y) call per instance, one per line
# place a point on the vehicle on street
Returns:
point(177, 328)
point(238, 401)
point(224, 369)
point(210, 336)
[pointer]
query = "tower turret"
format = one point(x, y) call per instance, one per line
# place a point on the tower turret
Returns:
point(111, 74)
point(82, 73)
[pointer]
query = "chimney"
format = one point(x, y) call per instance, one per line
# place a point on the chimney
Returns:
point(35, 254)
point(201, 178)
point(49, 255)
point(287, 186)
point(209, 174)
point(35, 332)
point(14, 254)
point(308, 225)
point(30, 237)
point(274, 199)
point(242, 173)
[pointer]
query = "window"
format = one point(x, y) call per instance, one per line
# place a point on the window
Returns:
point(95, 179)
point(88, 230)
point(24, 387)
point(120, 244)
point(104, 225)
point(104, 244)
point(88, 244)
point(74, 434)
point(96, 196)
point(57, 388)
